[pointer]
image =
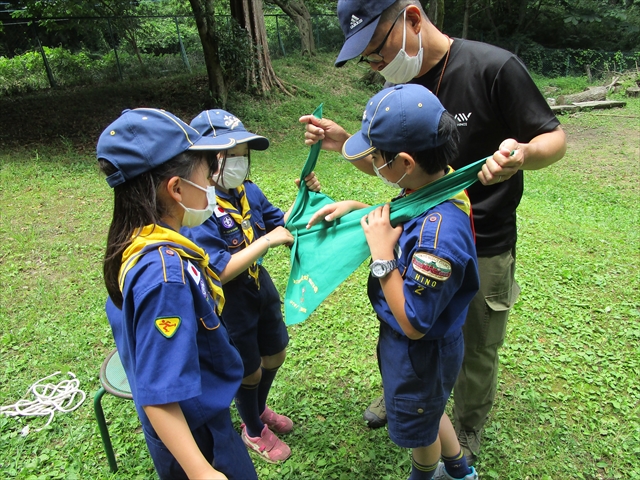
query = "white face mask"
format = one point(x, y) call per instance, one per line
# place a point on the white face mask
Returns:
point(403, 67)
point(384, 180)
point(234, 172)
point(194, 217)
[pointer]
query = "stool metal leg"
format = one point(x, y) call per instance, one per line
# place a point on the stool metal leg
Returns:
point(104, 431)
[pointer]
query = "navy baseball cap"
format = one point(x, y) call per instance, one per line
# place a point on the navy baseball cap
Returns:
point(358, 20)
point(222, 124)
point(403, 118)
point(143, 138)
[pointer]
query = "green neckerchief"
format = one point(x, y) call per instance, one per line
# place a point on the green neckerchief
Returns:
point(326, 254)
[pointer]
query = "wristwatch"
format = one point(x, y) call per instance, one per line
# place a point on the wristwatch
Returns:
point(382, 268)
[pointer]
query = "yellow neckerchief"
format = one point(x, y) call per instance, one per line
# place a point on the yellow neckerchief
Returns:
point(460, 200)
point(151, 236)
point(244, 220)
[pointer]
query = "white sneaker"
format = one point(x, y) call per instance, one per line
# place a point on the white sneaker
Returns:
point(441, 474)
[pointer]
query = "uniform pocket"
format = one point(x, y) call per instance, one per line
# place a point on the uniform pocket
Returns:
point(412, 413)
point(497, 282)
point(211, 321)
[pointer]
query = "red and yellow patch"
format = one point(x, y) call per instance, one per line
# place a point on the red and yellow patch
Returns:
point(167, 326)
point(431, 266)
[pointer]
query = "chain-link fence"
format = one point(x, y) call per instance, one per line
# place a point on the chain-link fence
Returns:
point(41, 54)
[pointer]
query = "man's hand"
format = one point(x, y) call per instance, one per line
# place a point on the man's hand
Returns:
point(332, 135)
point(504, 164)
point(312, 182)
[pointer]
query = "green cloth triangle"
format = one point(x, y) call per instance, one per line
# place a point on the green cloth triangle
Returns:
point(326, 254)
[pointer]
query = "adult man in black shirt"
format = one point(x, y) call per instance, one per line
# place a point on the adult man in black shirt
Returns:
point(497, 106)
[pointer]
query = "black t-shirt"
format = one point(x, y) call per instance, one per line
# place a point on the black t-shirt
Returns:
point(492, 97)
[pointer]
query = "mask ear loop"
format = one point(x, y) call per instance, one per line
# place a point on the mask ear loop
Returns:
point(404, 32)
point(404, 36)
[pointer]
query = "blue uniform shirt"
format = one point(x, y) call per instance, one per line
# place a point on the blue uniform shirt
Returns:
point(220, 236)
point(171, 341)
point(437, 259)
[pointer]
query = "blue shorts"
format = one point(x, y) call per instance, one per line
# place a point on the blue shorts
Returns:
point(254, 318)
point(417, 376)
point(219, 443)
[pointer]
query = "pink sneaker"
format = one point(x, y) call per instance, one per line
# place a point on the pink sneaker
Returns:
point(267, 445)
point(276, 422)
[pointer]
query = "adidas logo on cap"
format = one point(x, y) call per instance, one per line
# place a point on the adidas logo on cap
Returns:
point(355, 21)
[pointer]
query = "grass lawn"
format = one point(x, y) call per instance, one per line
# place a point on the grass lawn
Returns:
point(569, 393)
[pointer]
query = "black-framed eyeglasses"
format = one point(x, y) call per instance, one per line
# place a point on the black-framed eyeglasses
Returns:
point(375, 57)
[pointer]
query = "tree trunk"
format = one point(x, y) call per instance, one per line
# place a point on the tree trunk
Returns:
point(250, 16)
point(633, 92)
point(465, 21)
point(299, 13)
point(490, 17)
point(130, 36)
point(590, 95)
point(203, 11)
point(436, 13)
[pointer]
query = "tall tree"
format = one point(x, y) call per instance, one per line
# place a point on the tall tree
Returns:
point(299, 13)
point(249, 15)
point(203, 11)
point(436, 13)
point(465, 21)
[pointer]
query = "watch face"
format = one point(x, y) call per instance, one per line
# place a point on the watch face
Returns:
point(378, 270)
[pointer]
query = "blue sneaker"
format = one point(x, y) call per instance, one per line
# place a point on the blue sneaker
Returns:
point(441, 474)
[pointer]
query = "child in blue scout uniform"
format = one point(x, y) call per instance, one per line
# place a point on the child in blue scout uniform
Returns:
point(243, 227)
point(423, 274)
point(164, 300)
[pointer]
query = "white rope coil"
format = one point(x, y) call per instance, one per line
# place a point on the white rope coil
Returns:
point(64, 397)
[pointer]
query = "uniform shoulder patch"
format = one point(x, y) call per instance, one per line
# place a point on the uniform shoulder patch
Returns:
point(168, 326)
point(431, 266)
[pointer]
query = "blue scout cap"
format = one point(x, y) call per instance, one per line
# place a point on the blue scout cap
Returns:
point(358, 20)
point(221, 124)
point(143, 138)
point(403, 118)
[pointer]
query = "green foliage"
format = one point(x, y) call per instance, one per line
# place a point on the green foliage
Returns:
point(25, 73)
point(565, 62)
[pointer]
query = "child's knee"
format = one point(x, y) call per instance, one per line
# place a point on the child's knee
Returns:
point(274, 361)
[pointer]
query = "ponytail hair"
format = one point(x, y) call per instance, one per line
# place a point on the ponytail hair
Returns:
point(136, 204)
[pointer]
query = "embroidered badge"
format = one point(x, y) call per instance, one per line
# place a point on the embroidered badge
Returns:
point(227, 221)
point(203, 288)
point(219, 211)
point(167, 326)
point(431, 266)
point(193, 271)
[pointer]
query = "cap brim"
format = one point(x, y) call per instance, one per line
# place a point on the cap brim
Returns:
point(357, 147)
point(357, 43)
point(256, 142)
point(213, 143)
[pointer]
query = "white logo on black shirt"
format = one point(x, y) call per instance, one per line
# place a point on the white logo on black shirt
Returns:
point(355, 21)
point(462, 119)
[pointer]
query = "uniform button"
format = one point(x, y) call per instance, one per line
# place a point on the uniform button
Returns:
point(420, 410)
point(432, 219)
